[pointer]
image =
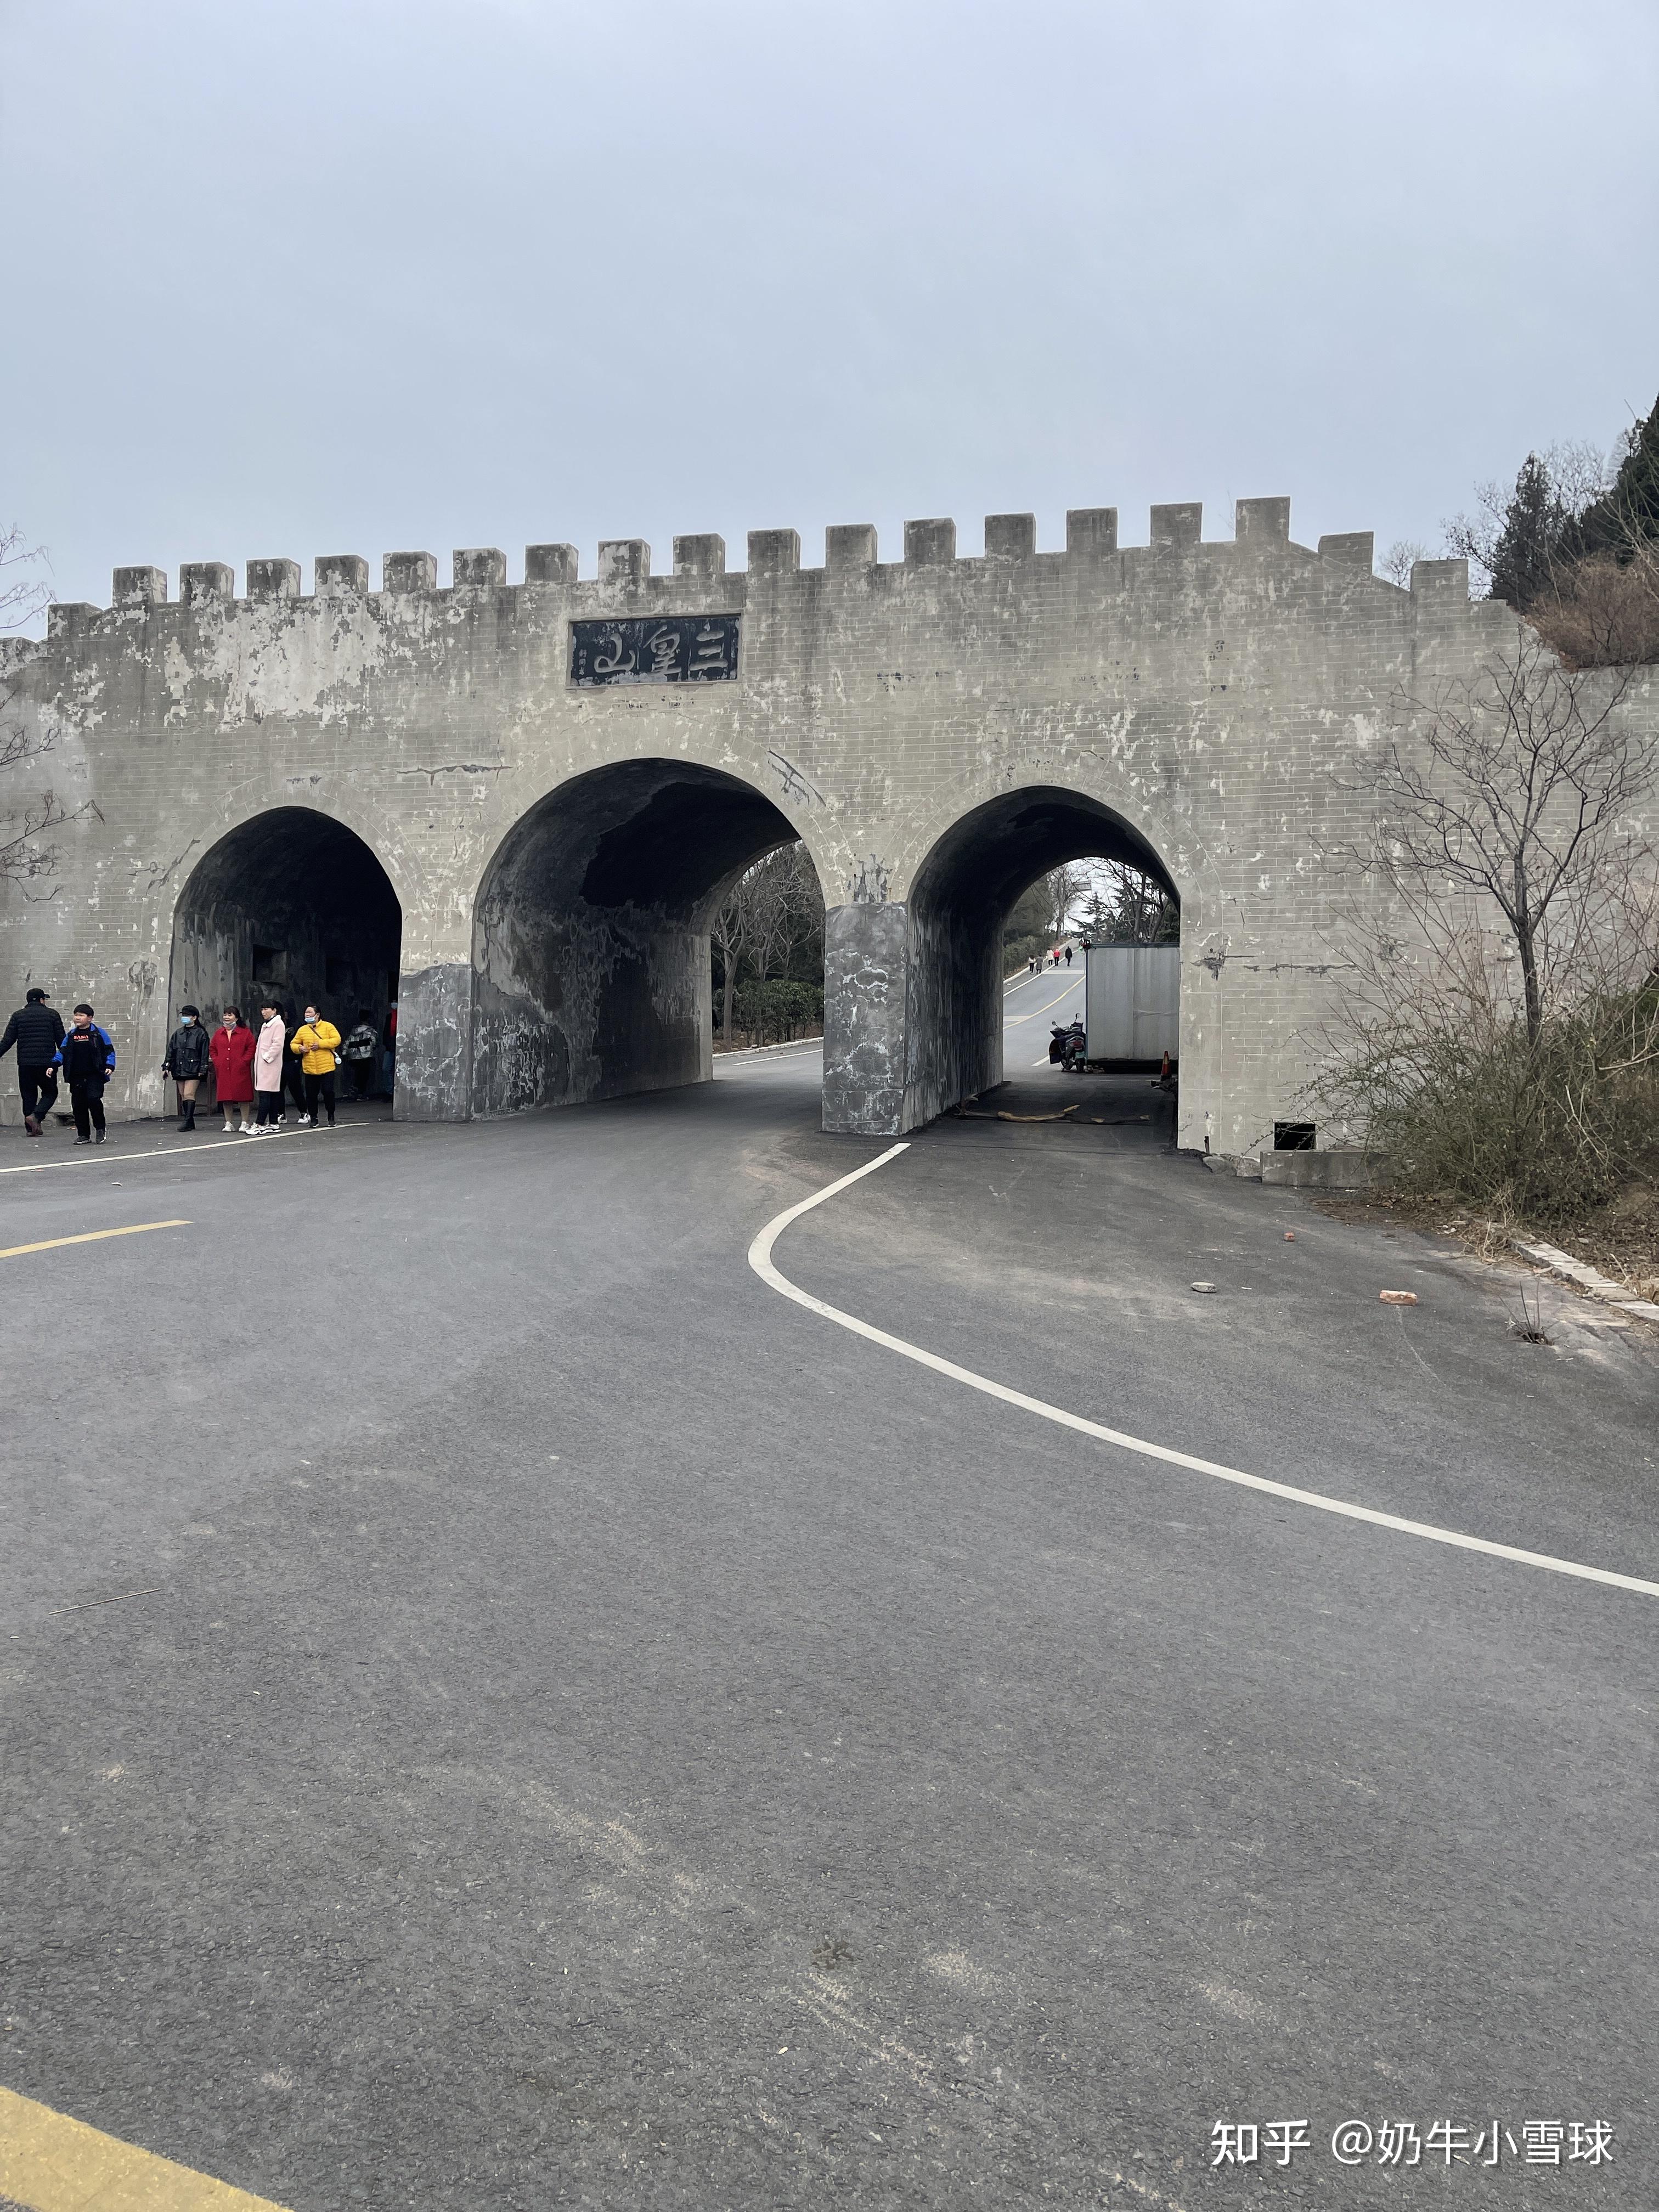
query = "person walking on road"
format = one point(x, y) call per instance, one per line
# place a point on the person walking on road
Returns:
point(87, 1060)
point(232, 1053)
point(268, 1068)
point(37, 1030)
point(1068, 956)
point(188, 1057)
point(361, 1045)
point(316, 1043)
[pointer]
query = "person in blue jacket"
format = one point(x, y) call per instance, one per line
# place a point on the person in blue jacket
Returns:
point(87, 1060)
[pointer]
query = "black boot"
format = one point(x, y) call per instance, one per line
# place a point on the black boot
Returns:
point(190, 1112)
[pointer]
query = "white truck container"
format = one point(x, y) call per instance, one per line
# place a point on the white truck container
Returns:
point(1131, 1002)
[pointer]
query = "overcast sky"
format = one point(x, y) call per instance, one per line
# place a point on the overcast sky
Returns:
point(284, 278)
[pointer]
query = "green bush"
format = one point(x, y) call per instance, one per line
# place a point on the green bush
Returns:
point(774, 1012)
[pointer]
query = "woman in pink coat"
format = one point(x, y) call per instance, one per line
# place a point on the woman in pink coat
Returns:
point(232, 1053)
point(267, 1067)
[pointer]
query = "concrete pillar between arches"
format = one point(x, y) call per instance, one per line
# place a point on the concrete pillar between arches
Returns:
point(434, 1079)
point(866, 980)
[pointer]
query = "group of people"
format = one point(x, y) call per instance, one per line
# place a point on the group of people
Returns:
point(254, 1071)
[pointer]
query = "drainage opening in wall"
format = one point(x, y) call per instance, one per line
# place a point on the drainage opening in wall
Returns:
point(1293, 1136)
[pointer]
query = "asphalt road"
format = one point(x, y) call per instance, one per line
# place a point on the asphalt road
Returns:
point(501, 1709)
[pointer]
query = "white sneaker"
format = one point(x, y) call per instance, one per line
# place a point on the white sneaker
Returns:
point(304, 1121)
point(229, 1129)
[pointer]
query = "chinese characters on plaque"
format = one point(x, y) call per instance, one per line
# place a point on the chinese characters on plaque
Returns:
point(666, 650)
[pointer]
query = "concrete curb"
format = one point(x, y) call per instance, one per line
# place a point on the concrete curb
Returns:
point(1588, 1278)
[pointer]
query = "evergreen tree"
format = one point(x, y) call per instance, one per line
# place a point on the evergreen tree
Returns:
point(1628, 518)
point(1532, 539)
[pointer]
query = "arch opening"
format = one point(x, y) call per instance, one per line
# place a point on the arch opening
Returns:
point(591, 933)
point(959, 904)
point(295, 905)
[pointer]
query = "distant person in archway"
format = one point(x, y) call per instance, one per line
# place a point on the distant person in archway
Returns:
point(37, 1030)
point(87, 1060)
point(361, 1044)
point(293, 1076)
point(232, 1053)
point(316, 1043)
point(389, 1053)
point(268, 1067)
point(187, 1060)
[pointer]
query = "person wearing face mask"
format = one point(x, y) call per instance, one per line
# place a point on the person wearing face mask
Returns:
point(186, 1061)
point(317, 1041)
point(231, 1052)
point(87, 1060)
point(268, 1068)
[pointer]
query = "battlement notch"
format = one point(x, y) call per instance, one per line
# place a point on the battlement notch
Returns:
point(1010, 536)
point(930, 543)
point(409, 572)
point(623, 560)
point(199, 581)
point(1263, 523)
point(549, 564)
point(701, 556)
point(1177, 529)
point(1355, 548)
point(339, 574)
point(774, 552)
point(139, 587)
point(273, 579)
point(1090, 530)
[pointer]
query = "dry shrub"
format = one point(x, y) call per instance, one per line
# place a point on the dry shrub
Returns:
point(1601, 613)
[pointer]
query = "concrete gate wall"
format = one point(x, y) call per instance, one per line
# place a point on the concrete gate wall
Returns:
point(1209, 696)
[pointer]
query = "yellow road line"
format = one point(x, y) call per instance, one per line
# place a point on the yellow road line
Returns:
point(51, 2163)
point(92, 1236)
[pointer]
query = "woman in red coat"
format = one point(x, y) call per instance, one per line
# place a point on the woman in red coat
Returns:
point(233, 1069)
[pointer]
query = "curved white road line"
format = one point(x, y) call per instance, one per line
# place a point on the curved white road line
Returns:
point(760, 1259)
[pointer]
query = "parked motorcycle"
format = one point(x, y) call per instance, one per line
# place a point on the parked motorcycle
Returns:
point(1066, 1049)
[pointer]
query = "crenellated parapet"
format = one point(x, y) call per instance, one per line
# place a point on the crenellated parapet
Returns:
point(1261, 528)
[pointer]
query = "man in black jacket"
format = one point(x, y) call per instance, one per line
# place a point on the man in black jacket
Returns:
point(37, 1031)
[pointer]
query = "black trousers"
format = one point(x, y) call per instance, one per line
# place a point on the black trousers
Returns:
point(39, 1088)
point(271, 1105)
point(87, 1100)
point(293, 1082)
point(362, 1075)
point(320, 1087)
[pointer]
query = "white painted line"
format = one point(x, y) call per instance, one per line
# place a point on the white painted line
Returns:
point(219, 1150)
point(760, 1259)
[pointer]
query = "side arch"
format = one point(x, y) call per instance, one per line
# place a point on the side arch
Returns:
point(913, 1021)
point(591, 931)
point(293, 903)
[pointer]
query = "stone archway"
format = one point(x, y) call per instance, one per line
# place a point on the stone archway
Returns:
point(591, 933)
point(293, 903)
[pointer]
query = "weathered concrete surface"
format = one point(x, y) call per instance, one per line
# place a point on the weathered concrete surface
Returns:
point(1338, 1167)
point(936, 731)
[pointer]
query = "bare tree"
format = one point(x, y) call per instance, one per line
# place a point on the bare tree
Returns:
point(1401, 557)
point(1517, 789)
point(24, 590)
point(1065, 885)
point(774, 909)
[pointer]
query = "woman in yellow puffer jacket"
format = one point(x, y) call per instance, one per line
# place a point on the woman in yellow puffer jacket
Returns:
point(317, 1041)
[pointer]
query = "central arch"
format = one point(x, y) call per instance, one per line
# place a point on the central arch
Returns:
point(959, 900)
point(591, 933)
